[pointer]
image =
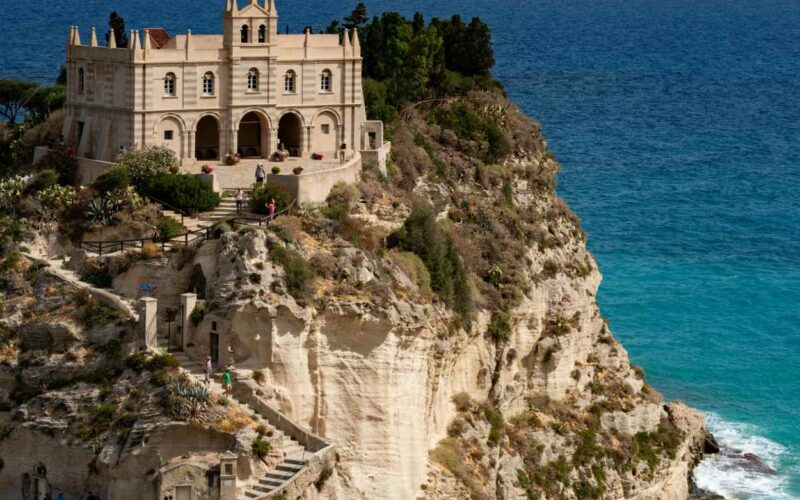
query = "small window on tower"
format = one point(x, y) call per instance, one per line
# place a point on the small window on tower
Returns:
point(325, 128)
point(325, 81)
point(168, 135)
point(245, 34)
point(262, 34)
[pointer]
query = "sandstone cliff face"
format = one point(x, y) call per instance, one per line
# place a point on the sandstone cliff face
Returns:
point(376, 369)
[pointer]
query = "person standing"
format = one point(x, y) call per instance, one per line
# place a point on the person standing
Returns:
point(239, 200)
point(209, 370)
point(226, 379)
point(260, 173)
point(271, 207)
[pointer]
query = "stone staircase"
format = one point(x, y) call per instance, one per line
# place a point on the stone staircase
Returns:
point(294, 460)
point(58, 267)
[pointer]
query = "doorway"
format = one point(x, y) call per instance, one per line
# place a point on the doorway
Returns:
point(206, 143)
point(252, 139)
point(213, 347)
point(289, 129)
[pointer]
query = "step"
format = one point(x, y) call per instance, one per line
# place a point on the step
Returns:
point(295, 461)
point(293, 450)
point(288, 467)
point(265, 488)
point(277, 475)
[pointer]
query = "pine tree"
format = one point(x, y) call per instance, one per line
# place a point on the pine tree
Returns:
point(117, 24)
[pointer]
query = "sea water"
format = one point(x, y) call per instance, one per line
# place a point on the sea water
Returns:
point(678, 127)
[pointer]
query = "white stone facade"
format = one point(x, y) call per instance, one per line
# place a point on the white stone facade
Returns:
point(246, 91)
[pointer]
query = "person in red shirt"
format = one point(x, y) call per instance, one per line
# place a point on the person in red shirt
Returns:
point(271, 206)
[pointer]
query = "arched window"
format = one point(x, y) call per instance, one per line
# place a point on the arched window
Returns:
point(326, 81)
point(81, 80)
point(245, 34)
point(289, 82)
point(169, 84)
point(252, 80)
point(262, 34)
point(208, 84)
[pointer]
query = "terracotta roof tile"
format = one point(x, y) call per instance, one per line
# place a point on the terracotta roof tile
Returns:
point(158, 37)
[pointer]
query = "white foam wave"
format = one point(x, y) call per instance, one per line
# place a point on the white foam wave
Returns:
point(732, 478)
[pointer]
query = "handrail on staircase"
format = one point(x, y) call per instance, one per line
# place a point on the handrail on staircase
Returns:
point(112, 246)
point(167, 205)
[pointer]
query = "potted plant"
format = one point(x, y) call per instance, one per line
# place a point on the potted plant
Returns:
point(276, 170)
point(297, 170)
point(231, 158)
point(316, 156)
point(281, 154)
point(207, 169)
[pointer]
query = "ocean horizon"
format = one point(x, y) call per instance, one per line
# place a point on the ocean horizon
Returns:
point(677, 125)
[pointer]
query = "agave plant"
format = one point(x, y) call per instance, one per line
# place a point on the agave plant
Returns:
point(194, 396)
point(100, 210)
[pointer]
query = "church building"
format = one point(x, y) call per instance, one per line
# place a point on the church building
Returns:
point(249, 91)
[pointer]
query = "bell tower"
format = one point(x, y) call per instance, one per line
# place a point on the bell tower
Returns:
point(251, 26)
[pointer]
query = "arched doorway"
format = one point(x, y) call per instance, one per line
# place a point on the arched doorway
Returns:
point(252, 140)
point(206, 142)
point(323, 139)
point(289, 133)
point(169, 134)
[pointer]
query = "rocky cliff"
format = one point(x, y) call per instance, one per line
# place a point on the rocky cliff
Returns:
point(438, 324)
point(529, 396)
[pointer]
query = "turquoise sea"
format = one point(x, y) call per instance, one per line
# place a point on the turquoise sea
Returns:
point(678, 126)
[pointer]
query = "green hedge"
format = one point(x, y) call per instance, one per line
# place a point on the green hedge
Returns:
point(113, 180)
point(184, 192)
point(262, 194)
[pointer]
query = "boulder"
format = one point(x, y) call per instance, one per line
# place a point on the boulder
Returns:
point(48, 336)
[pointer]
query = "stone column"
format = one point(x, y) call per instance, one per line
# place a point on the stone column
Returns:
point(339, 140)
point(148, 317)
point(190, 153)
point(302, 145)
point(273, 142)
point(309, 139)
point(188, 303)
point(234, 143)
point(227, 476)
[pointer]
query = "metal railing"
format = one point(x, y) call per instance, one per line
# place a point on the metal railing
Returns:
point(185, 239)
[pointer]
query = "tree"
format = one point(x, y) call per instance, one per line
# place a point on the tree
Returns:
point(116, 23)
point(357, 19)
point(13, 96)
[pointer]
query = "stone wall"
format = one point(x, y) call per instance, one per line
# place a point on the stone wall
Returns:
point(314, 187)
point(88, 169)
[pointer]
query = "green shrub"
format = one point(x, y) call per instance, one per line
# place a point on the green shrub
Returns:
point(41, 181)
point(98, 314)
point(340, 199)
point(425, 237)
point(260, 448)
point(161, 362)
point(65, 166)
point(168, 228)
point(113, 180)
point(262, 195)
point(500, 326)
point(299, 273)
point(136, 361)
point(143, 165)
point(495, 419)
point(10, 234)
point(97, 276)
point(184, 192)
point(472, 126)
point(197, 314)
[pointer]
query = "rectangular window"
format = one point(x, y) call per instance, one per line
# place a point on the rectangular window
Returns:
point(168, 135)
point(325, 128)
